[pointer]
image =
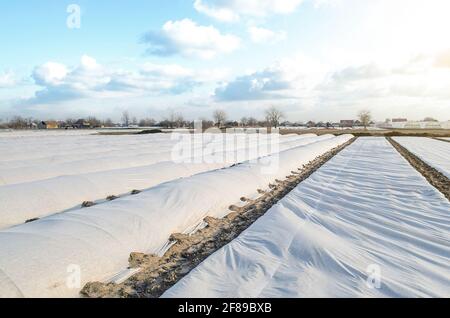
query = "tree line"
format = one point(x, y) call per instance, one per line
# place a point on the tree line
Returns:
point(174, 120)
point(273, 117)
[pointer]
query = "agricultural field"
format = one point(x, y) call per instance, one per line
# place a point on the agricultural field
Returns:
point(433, 152)
point(436, 133)
point(320, 240)
point(222, 215)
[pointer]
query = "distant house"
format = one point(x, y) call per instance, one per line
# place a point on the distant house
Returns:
point(347, 123)
point(81, 124)
point(48, 125)
point(399, 120)
point(321, 125)
point(310, 124)
point(286, 124)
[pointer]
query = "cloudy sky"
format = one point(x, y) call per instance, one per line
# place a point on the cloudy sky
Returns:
point(314, 59)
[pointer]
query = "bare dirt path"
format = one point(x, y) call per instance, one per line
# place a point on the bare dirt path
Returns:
point(158, 274)
point(434, 177)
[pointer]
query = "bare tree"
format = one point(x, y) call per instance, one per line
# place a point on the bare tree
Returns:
point(179, 120)
point(220, 117)
point(126, 118)
point(18, 123)
point(244, 122)
point(108, 123)
point(70, 122)
point(94, 122)
point(207, 124)
point(273, 116)
point(252, 122)
point(175, 120)
point(365, 118)
point(147, 122)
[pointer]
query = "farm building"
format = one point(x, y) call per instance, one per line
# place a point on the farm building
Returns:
point(82, 124)
point(347, 123)
point(417, 125)
point(48, 125)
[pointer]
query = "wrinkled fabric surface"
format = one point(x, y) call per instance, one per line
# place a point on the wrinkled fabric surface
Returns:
point(38, 258)
point(366, 216)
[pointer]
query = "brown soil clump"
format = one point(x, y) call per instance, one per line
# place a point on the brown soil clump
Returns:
point(87, 204)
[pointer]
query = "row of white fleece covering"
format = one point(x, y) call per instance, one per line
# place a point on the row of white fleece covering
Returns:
point(365, 210)
point(35, 257)
point(30, 149)
point(130, 159)
point(38, 145)
point(434, 152)
point(25, 201)
point(71, 150)
point(42, 133)
point(109, 149)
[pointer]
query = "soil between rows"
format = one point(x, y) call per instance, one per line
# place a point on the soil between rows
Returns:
point(158, 274)
point(434, 177)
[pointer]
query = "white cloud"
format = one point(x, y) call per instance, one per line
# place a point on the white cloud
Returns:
point(92, 80)
point(187, 38)
point(50, 73)
point(232, 10)
point(418, 86)
point(390, 90)
point(219, 13)
point(7, 79)
point(263, 35)
point(89, 63)
point(285, 79)
point(168, 70)
point(363, 72)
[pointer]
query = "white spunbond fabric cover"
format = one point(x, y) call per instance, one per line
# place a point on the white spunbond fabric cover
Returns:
point(76, 153)
point(103, 156)
point(25, 201)
point(32, 149)
point(64, 149)
point(36, 258)
point(434, 152)
point(366, 211)
point(162, 150)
